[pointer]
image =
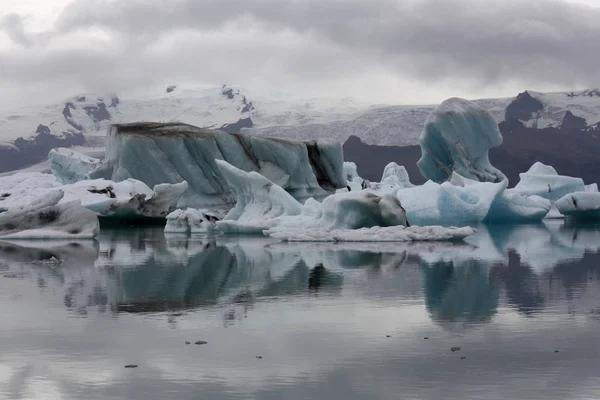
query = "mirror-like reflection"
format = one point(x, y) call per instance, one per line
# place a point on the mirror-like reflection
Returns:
point(302, 320)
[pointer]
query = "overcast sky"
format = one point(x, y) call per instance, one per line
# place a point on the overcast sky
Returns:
point(393, 51)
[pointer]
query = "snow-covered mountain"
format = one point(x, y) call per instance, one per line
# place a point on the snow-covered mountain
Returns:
point(29, 133)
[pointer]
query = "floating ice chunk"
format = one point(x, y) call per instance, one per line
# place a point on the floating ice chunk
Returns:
point(191, 221)
point(69, 166)
point(580, 205)
point(543, 180)
point(457, 137)
point(514, 207)
point(262, 204)
point(509, 206)
point(259, 201)
point(351, 174)
point(592, 188)
point(396, 175)
point(449, 204)
point(350, 171)
point(374, 234)
point(362, 209)
point(44, 218)
point(129, 198)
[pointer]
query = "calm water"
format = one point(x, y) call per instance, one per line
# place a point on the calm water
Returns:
point(303, 321)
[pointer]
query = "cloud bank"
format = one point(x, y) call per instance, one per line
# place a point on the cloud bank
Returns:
point(403, 51)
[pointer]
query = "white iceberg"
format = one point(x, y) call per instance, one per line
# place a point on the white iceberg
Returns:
point(129, 198)
point(580, 205)
point(191, 221)
point(69, 166)
point(156, 153)
point(262, 205)
point(353, 180)
point(396, 175)
point(374, 234)
point(259, 201)
point(45, 218)
point(543, 180)
point(447, 204)
point(456, 138)
point(509, 206)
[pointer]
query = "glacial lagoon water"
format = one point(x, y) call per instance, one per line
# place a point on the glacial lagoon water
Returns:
point(512, 314)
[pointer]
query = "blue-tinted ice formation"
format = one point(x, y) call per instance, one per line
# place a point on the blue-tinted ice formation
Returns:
point(456, 138)
point(156, 153)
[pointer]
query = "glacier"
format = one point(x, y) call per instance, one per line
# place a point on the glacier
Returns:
point(456, 138)
point(580, 205)
point(156, 153)
point(126, 199)
point(45, 218)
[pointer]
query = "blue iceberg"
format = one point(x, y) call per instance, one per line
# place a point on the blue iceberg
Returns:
point(456, 138)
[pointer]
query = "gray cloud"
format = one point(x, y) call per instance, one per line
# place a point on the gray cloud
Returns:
point(469, 44)
point(12, 24)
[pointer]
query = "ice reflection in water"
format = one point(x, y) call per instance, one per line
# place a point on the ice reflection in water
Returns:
point(302, 320)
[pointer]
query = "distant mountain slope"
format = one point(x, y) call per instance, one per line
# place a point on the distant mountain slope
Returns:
point(31, 132)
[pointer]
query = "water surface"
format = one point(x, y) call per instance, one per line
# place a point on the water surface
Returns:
point(302, 321)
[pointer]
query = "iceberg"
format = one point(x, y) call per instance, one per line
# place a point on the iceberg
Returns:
point(129, 198)
point(456, 138)
point(509, 206)
point(373, 234)
point(352, 179)
point(543, 181)
point(191, 221)
point(156, 153)
point(580, 205)
point(69, 166)
point(259, 201)
point(45, 218)
point(262, 205)
point(396, 175)
point(448, 204)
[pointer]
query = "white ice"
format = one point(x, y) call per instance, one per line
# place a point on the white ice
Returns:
point(373, 234)
point(456, 138)
point(191, 221)
point(543, 180)
point(581, 205)
point(45, 218)
point(259, 201)
point(69, 166)
point(129, 198)
point(396, 175)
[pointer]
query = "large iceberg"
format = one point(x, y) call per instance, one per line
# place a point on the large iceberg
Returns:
point(462, 201)
point(129, 198)
point(261, 205)
point(44, 218)
point(580, 205)
point(543, 180)
point(456, 138)
point(448, 204)
point(157, 153)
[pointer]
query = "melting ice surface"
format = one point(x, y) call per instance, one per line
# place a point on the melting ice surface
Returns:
point(302, 320)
